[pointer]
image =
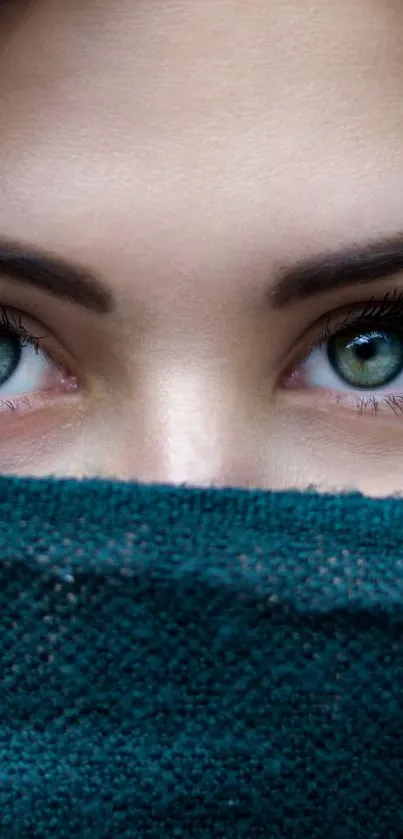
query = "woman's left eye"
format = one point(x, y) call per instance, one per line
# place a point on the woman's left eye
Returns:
point(362, 356)
point(357, 359)
point(27, 369)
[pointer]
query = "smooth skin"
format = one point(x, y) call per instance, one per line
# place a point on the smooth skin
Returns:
point(183, 152)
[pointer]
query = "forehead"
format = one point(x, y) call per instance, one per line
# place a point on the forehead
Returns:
point(209, 119)
point(271, 50)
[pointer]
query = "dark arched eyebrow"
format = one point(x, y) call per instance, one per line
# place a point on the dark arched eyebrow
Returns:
point(318, 275)
point(55, 276)
point(357, 265)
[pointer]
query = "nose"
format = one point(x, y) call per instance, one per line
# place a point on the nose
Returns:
point(195, 429)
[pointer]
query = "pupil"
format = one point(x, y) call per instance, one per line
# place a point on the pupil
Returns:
point(365, 349)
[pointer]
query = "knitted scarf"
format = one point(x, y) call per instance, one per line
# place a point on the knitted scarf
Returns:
point(182, 663)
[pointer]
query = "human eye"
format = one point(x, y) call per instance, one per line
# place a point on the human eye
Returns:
point(32, 369)
point(356, 356)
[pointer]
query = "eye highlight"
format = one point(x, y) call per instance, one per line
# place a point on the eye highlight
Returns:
point(358, 355)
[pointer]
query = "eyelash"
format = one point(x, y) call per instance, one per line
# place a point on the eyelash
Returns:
point(387, 312)
point(14, 324)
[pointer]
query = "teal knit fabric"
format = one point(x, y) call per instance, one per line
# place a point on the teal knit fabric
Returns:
point(181, 663)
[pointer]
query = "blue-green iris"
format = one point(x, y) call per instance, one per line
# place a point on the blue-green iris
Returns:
point(371, 358)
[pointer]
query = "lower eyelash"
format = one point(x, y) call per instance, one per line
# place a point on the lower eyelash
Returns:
point(395, 403)
point(15, 405)
point(374, 403)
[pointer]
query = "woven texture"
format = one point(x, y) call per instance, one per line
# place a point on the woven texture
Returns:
point(179, 663)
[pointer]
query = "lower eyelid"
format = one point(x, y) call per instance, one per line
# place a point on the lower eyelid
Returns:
point(388, 407)
point(31, 402)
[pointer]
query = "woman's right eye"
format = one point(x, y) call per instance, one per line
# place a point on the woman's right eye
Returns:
point(28, 372)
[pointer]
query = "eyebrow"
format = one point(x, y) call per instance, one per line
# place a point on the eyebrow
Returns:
point(317, 275)
point(320, 274)
point(55, 276)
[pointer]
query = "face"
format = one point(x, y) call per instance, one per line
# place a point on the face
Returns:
point(201, 256)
